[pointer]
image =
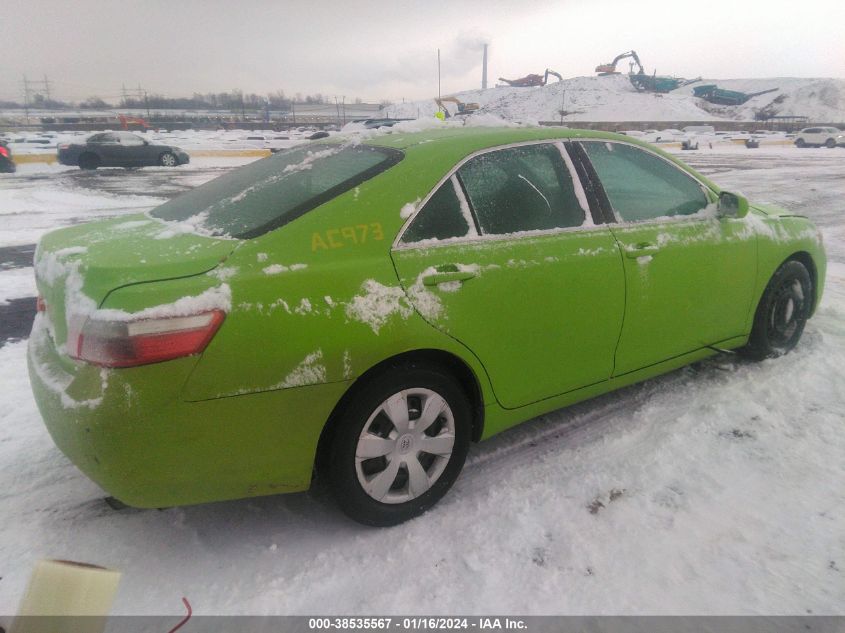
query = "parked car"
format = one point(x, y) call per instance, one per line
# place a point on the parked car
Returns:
point(120, 149)
point(7, 164)
point(818, 136)
point(371, 308)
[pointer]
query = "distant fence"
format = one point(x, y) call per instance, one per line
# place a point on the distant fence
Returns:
point(727, 126)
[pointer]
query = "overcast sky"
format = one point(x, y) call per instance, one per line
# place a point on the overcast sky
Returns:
point(388, 49)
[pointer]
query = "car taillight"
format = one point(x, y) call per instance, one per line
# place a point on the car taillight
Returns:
point(4, 152)
point(40, 304)
point(63, 145)
point(132, 343)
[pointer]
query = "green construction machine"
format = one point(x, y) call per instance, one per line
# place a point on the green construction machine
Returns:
point(721, 96)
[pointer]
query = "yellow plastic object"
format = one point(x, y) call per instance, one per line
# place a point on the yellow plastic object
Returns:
point(66, 597)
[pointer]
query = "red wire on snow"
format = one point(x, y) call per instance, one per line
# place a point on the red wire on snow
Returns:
point(185, 619)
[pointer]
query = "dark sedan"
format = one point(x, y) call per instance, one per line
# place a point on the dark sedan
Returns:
point(120, 149)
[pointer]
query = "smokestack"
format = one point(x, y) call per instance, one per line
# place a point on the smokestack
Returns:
point(484, 70)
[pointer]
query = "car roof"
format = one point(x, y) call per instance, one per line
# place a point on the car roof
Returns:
point(443, 146)
point(477, 138)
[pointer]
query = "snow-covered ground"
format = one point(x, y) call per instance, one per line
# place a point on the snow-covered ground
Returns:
point(717, 489)
point(613, 98)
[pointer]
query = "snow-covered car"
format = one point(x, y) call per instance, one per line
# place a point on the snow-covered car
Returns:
point(120, 149)
point(818, 136)
point(370, 308)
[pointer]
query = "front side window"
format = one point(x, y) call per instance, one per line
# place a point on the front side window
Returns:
point(444, 216)
point(269, 193)
point(642, 186)
point(524, 188)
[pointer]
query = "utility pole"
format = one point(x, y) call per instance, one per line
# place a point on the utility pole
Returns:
point(484, 69)
point(438, 73)
point(26, 98)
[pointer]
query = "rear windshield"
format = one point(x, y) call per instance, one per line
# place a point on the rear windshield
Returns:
point(269, 193)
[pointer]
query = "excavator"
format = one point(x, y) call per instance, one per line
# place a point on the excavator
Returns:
point(463, 108)
point(529, 81)
point(640, 80)
point(126, 121)
point(610, 69)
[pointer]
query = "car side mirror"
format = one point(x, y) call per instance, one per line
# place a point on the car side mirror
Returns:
point(732, 205)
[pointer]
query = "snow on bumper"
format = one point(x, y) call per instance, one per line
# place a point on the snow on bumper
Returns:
point(132, 432)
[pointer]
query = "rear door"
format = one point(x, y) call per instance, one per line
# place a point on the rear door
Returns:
point(108, 148)
point(690, 275)
point(506, 257)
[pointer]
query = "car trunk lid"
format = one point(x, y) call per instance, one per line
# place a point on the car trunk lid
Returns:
point(78, 267)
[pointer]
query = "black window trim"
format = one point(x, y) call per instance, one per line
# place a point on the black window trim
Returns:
point(709, 194)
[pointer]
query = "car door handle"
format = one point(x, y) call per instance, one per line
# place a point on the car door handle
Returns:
point(446, 276)
point(642, 249)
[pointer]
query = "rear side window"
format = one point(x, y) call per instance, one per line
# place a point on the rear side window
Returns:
point(442, 216)
point(130, 139)
point(103, 138)
point(642, 186)
point(271, 192)
point(525, 188)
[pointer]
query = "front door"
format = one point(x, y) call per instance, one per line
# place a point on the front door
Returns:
point(505, 257)
point(689, 274)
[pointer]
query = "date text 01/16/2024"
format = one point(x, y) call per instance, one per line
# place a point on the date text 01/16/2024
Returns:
point(416, 624)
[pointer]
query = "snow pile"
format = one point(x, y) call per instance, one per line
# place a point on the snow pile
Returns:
point(277, 269)
point(16, 284)
point(377, 304)
point(614, 98)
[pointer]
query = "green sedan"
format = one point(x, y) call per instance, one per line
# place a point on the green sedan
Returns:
point(366, 309)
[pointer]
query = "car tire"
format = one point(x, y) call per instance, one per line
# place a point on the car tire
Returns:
point(377, 455)
point(168, 159)
point(800, 143)
point(89, 161)
point(831, 143)
point(782, 312)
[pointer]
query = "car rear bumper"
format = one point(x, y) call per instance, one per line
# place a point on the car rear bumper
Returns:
point(131, 432)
